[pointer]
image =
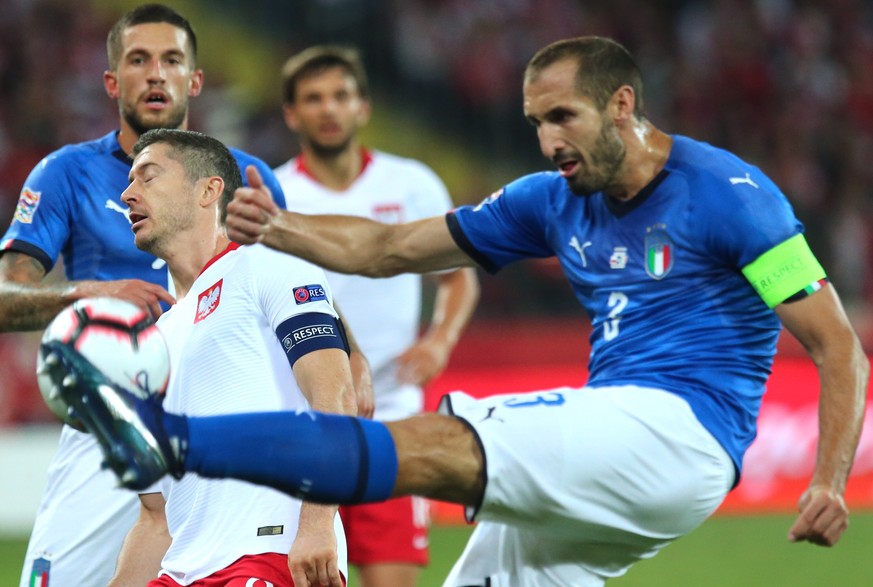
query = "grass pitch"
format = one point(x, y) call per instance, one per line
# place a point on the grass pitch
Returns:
point(725, 552)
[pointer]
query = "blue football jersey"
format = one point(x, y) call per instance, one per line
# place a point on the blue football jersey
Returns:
point(659, 276)
point(71, 206)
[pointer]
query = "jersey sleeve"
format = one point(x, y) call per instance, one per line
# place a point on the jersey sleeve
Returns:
point(287, 286)
point(507, 226)
point(42, 219)
point(745, 220)
point(295, 298)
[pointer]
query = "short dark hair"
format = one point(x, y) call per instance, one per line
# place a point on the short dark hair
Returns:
point(147, 13)
point(604, 66)
point(315, 60)
point(200, 155)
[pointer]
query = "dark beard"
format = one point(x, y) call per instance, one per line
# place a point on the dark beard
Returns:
point(329, 151)
point(174, 119)
point(607, 156)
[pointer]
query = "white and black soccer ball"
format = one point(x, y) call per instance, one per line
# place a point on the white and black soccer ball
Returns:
point(118, 338)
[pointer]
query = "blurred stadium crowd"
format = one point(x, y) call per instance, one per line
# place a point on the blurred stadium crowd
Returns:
point(786, 84)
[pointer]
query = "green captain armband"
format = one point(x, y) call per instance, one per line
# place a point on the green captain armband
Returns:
point(783, 271)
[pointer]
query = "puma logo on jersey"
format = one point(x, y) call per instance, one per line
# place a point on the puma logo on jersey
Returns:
point(574, 242)
point(490, 415)
point(748, 179)
point(115, 207)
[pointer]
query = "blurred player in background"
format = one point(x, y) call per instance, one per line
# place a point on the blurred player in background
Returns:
point(252, 329)
point(688, 261)
point(326, 103)
point(70, 207)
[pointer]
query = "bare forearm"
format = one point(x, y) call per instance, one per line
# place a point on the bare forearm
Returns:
point(26, 302)
point(350, 244)
point(140, 559)
point(31, 307)
point(843, 378)
point(344, 244)
point(455, 302)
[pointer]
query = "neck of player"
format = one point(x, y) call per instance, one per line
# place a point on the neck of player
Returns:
point(189, 260)
point(336, 171)
point(648, 150)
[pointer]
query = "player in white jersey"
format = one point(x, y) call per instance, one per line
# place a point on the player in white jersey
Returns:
point(69, 207)
point(326, 103)
point(252, 329)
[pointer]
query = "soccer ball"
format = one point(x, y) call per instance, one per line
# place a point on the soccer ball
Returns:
point(118, 338)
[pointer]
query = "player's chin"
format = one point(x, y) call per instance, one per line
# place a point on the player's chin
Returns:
point(143, 240)
point(168, 117)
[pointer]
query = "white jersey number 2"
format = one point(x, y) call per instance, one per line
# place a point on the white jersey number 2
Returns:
point(617, 303)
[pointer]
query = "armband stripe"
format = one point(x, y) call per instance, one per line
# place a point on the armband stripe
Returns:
point(312, 331)
point(785, 270)
point(807, 291)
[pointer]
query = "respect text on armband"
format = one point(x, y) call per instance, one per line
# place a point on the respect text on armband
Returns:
point(306, 333)
point(776, 276)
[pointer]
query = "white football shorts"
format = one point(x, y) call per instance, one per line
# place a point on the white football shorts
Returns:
point(582, 483)
point(82, 519)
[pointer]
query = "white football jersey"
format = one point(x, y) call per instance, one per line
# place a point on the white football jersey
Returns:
point(382, 314)
point(225, 358)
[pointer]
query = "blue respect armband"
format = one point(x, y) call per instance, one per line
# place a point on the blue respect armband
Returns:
point(313, 331)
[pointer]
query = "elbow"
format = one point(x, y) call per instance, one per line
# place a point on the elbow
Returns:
point(348, 400)
point(863, 365)
point(474, 290)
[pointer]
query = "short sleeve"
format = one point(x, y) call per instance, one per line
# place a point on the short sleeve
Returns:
point(287, 286)
point(509, 225)
point(742, 221)
point(41, 223)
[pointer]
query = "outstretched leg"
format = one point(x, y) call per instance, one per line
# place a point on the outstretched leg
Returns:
point(318, 457)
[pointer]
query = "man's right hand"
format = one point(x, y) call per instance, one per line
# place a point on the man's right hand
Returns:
point(141, 293)
point(251, 210)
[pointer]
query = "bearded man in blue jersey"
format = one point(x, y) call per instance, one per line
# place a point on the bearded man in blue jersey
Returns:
point(688, 261)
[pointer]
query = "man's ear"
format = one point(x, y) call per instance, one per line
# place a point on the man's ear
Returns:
point(622, 104)
point(110, 84)
point(364, 113)
point(212, 190)
point(195, 85)
point(289, 113)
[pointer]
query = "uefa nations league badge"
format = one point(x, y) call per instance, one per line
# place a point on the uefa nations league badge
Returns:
point(659, 253)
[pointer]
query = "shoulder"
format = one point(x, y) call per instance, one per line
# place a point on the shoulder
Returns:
point(704, 163)
point(287, 172)
point(262, 259)
point(535, 195)
point(289, 167)
point(537, 184)
point(403, 166)
point(77, 154)
point(94, 164)
point(244, 159)
point(720, 177)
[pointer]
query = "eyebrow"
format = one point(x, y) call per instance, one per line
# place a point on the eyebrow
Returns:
point(139, 169)
point(137, 51)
